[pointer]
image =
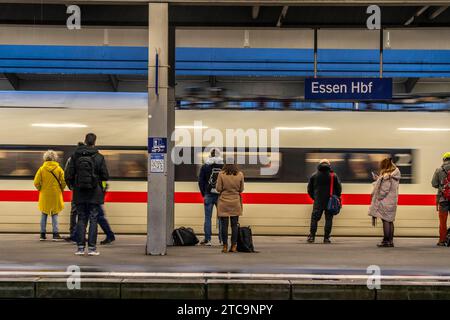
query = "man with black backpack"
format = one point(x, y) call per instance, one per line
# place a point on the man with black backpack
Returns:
point(441, 181)
point(207, 180)
point(102, 221)
point(84, 174)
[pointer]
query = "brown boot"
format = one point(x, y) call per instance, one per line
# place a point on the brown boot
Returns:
point(225, 248)
point(233, 248)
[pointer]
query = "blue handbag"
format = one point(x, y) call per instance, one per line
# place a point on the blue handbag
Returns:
point(334, 203)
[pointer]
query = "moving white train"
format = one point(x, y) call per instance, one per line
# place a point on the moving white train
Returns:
point(275, 204)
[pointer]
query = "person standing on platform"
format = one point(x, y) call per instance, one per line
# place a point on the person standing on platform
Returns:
point(73, 209)
point(441, 181)
point(385, 199)
point(103, 222)
point(207, 180)
point(230, 185)
point(85, 173)
point(49, 181)
point(319, 186)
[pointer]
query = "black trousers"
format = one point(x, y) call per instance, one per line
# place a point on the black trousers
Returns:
point(73, 222)
point(316, 215)
point(234, 229)
point(388, 231)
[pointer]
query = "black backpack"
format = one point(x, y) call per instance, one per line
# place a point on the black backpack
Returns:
point(212, 181)
point(245, 240)
point(85, 172)
point(184, 237)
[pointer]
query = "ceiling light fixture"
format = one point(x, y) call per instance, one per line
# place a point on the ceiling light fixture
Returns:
point(59, 125)
point(191, 127)
point(303, 128)
point(424, 129)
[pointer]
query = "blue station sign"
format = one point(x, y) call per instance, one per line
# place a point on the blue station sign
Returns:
point(157, 145)
point(348, 88)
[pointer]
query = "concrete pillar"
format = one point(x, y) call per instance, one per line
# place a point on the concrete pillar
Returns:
point(161, 121)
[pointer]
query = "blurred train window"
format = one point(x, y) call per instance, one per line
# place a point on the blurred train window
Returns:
point(257, 165)
point(357, 165)
point(126, 163)
point(22, 163)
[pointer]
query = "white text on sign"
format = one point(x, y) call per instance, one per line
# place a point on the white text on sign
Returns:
point(355, 87)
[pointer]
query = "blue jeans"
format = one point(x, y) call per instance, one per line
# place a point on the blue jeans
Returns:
point(104, 224)
point(210, 200)
point(101, 220)
point(87, 213)
point(54, 223)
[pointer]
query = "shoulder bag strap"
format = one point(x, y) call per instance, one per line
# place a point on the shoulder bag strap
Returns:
point(331, 183)
point(445, 171)
point(57, 180)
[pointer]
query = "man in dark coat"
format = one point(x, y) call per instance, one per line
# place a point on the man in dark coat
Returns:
point(319, 190)
point(84, 175)
point(102, 221)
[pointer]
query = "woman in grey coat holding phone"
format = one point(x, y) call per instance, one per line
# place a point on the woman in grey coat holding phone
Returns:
point(385, 199)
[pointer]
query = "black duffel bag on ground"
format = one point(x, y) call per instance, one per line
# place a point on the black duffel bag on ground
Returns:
point(184, 237)
point(245, 240)
point(447, 241)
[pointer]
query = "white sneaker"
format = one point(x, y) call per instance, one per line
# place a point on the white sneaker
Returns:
point(208, 243)
point(93, 253)
point(79, 252)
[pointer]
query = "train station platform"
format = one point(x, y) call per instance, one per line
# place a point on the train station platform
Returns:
point(283, 268)
point(288, 255)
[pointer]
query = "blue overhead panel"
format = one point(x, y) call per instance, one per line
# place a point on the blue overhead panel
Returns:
point(73, 59)
point(244, 61)
point(226, 61)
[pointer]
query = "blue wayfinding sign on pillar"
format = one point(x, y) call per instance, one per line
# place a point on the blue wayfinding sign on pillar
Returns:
point(348, 88)
point(157, 145)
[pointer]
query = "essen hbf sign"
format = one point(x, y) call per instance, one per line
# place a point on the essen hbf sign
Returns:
point(348, 88)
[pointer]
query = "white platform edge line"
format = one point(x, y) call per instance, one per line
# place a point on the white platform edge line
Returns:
point(246, 276)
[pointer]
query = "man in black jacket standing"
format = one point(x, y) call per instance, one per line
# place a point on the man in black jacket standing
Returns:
point(84, 175)
point(319, 190)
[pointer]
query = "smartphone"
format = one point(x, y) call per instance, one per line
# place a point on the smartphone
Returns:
point(374, 175)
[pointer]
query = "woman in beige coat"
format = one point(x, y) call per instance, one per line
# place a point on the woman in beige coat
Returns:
point(385, 198)
point(230, 185)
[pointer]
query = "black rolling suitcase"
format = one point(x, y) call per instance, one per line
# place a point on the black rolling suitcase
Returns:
point(184, 237)
point(245, 240)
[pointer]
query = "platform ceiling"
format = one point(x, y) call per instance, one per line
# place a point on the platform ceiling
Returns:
point(210, 14)
point(125, 14)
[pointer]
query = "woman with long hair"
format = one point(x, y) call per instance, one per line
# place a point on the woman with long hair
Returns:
point(385, 198)
point(230, 185)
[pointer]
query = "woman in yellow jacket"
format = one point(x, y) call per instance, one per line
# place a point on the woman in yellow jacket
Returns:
point(50, 183)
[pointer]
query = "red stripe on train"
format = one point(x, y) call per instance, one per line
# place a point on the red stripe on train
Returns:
point(248, 198)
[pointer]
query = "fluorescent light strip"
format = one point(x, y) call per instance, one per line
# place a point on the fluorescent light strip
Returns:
point(425, 129)
point(59, 125)
point(303, 128)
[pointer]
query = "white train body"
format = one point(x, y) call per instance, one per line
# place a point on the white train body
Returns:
point(126, 128)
